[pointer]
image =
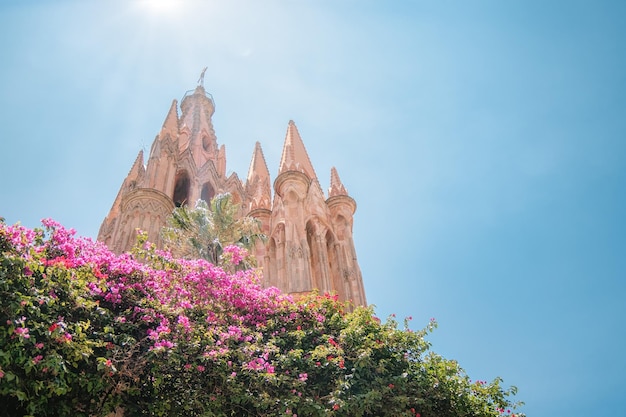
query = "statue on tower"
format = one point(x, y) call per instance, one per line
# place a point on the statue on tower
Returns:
point(201, 79)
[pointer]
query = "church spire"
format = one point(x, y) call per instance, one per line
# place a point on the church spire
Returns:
point(137, 169)
point(258, 166)
point(336, 186)
point(309, 246)
point(170, 125)
point(258, 181)
point(295, 157)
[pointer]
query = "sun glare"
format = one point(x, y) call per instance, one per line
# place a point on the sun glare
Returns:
point(162, 6)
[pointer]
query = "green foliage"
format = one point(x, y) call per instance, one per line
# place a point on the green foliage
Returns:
point(84, 332)
point(53, 337)
point(204, 231)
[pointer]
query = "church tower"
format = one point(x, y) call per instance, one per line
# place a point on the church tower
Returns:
point(309, 246)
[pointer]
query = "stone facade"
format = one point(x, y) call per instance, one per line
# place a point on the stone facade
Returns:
point(309, 244)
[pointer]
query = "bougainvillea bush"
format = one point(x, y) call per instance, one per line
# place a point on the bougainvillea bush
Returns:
point(85, 332)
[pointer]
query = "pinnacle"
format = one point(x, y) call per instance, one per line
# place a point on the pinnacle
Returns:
point(258, 181)
point(171, 120)
point(258, 166)
point(295, 156)
point(336, 186)
point(139, 159)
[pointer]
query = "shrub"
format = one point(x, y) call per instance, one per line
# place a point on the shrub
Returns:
point(85, 332)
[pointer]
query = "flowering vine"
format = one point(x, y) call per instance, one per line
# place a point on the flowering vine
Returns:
point(85, 332)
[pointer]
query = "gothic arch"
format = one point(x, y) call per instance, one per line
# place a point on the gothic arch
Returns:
point(207, 143)
point(317, 258)
point(277, 256)
point(182, 185)
point(208, 192)
point(342, 228)
point(335, 264)
point(272, 267)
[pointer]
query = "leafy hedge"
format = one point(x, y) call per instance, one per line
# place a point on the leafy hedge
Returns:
point(85, 332)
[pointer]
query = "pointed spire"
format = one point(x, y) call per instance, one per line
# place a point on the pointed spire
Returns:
point(137, 168)
point(258, 181)
point(336, 187)
point(295, 157)
point(258, 166)
point(171, 120)
point(130, 182)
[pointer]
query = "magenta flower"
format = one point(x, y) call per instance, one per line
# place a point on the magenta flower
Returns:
point(23, 332)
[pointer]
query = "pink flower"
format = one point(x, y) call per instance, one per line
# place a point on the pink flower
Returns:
point(22, 331)
point(200, 368)
point(303, 377)
point(163, 344)
point(184, 321)
point(37, 359)
point(234, 254)
point(39, 345)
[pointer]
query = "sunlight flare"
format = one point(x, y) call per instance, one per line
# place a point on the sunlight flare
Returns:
point(162, 6)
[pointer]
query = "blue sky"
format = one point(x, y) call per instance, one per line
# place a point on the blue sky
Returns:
point(483, 141)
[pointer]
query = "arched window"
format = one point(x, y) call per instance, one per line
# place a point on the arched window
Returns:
point(316, 257)
point(208, 192)
point(181, 189)
point(333, 263)
point(342, 228)
point(207, 143)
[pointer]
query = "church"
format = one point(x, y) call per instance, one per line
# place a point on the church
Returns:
point(309, 246)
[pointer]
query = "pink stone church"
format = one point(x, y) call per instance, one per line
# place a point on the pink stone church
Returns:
point(309, 243)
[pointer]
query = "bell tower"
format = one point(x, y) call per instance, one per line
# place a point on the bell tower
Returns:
point(185, 164)
point(309, 246)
